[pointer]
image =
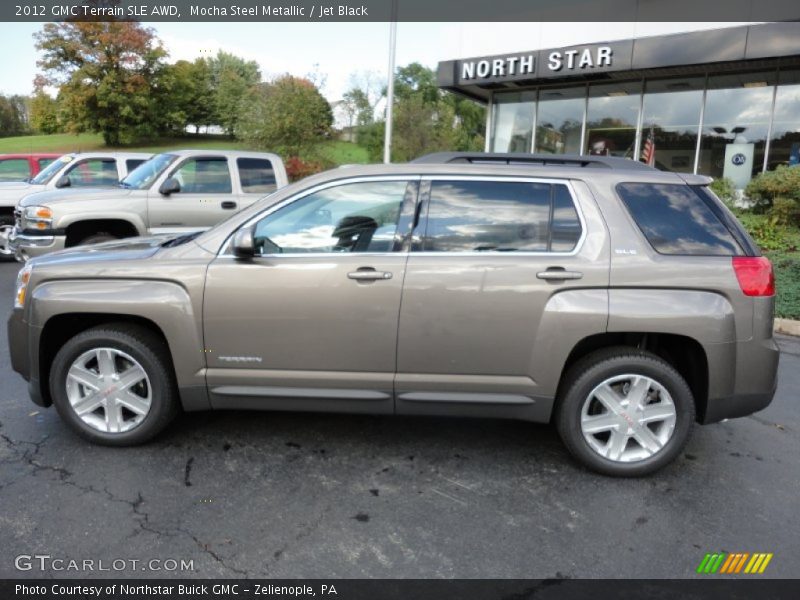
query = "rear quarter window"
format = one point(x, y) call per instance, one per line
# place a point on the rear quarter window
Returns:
point(676, 220)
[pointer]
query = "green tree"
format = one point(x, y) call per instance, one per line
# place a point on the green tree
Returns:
point(13, 115)
point(232, 79)
point(357, 107)
point(108, 74)
point(44, 114)
point(289, 116)
point(426, 119)
point(418, 81)
point(189, 97)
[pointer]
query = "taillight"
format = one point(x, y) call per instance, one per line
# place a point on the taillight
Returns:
point(755, 275)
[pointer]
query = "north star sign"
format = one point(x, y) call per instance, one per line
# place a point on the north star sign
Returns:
point(561, 62)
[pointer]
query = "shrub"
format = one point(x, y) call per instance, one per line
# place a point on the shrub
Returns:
point(766, 231)
point(783, 182)
point(725, 190)
point(297, 168)
point(785, 211)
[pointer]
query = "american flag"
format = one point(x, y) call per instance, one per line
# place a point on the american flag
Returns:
point(649, 149)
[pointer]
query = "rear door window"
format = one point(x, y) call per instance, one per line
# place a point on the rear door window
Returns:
point(500, 216)
point(676, 220)
point(257, 175)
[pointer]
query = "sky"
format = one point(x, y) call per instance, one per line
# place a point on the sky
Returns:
point(335, 51)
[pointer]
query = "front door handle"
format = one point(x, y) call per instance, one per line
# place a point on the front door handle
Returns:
point(559, 274)
point(228, 204)
point(369, 274)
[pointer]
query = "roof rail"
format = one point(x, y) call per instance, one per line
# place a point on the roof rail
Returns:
point(535, 160)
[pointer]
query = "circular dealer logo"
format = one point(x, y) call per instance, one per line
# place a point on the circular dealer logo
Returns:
point(738, 159)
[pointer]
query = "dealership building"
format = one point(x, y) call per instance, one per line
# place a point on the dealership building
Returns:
point(720, 102)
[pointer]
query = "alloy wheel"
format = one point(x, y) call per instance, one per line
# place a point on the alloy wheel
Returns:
point(109, 390)
point(628, 418)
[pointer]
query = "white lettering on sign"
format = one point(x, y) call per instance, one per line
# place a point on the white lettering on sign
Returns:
point(586, 58)
point(499, 67)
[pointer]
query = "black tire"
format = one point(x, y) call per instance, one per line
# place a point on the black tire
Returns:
point(151, 353)
point(97, 238)
point(591, 371)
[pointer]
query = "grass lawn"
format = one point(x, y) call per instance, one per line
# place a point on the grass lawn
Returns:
point(336, 151)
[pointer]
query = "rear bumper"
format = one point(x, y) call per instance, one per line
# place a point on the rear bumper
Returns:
point(756, 379)
point(736, 406)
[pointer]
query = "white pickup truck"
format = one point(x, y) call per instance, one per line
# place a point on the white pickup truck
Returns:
point(174, 192)
point(75, 171)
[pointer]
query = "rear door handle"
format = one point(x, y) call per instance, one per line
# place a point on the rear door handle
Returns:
point(369, 274)
point(559, 275)
point(228, 204)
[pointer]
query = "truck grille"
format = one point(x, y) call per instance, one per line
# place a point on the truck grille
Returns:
point(18, 218)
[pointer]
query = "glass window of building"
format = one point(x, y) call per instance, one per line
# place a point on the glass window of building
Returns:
point(512, 129)
point(559, 120)
point(784, 146)
point(735, 125)
point(671, 115)
point(611, 119)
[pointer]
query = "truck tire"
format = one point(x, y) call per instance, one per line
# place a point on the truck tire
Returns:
point(624, 412)
point(114, 384)
point(97, 238)
point(6, 225)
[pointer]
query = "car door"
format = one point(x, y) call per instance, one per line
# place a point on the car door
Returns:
point(205, 197)
point(489, 258)
point(310, 322)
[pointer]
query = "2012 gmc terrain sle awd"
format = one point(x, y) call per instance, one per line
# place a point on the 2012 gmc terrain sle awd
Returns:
point(617, 301)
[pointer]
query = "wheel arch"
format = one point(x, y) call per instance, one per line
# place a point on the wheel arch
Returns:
point(119, 227)
point(60, 328)
point(686, 354)
point(64, 308)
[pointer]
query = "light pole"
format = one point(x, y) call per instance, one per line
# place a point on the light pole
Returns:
point(387, 137)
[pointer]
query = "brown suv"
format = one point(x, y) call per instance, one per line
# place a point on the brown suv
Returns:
point(620, 302)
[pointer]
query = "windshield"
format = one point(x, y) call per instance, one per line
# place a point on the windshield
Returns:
point(143, 176)
point(54, 167)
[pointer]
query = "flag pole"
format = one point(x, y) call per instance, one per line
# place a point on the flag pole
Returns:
point(387, 138)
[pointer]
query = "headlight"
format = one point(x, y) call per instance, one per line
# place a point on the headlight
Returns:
point(23, 278)
point(37, 217)
point(38, 212)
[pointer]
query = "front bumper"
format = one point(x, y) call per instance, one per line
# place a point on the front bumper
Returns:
point(19, 351)
point(25, 246)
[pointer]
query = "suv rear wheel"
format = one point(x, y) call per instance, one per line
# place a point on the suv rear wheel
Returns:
point(624, 412)
point(113, 384)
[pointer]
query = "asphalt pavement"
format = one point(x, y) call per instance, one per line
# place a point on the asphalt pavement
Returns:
point(285, 495)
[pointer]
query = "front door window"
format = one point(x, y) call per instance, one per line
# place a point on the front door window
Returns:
point(356, 217)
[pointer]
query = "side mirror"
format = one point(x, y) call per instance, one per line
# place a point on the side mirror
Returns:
point(170, 186)
point(244, 243)
point(63, 181)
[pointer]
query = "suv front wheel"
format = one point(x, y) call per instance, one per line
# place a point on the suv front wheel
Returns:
point(113, 384)
point(624, 412)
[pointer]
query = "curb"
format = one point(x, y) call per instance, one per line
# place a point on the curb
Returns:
point(787, 327)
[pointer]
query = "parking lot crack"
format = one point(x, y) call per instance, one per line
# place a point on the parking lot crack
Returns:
point(207, 550)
